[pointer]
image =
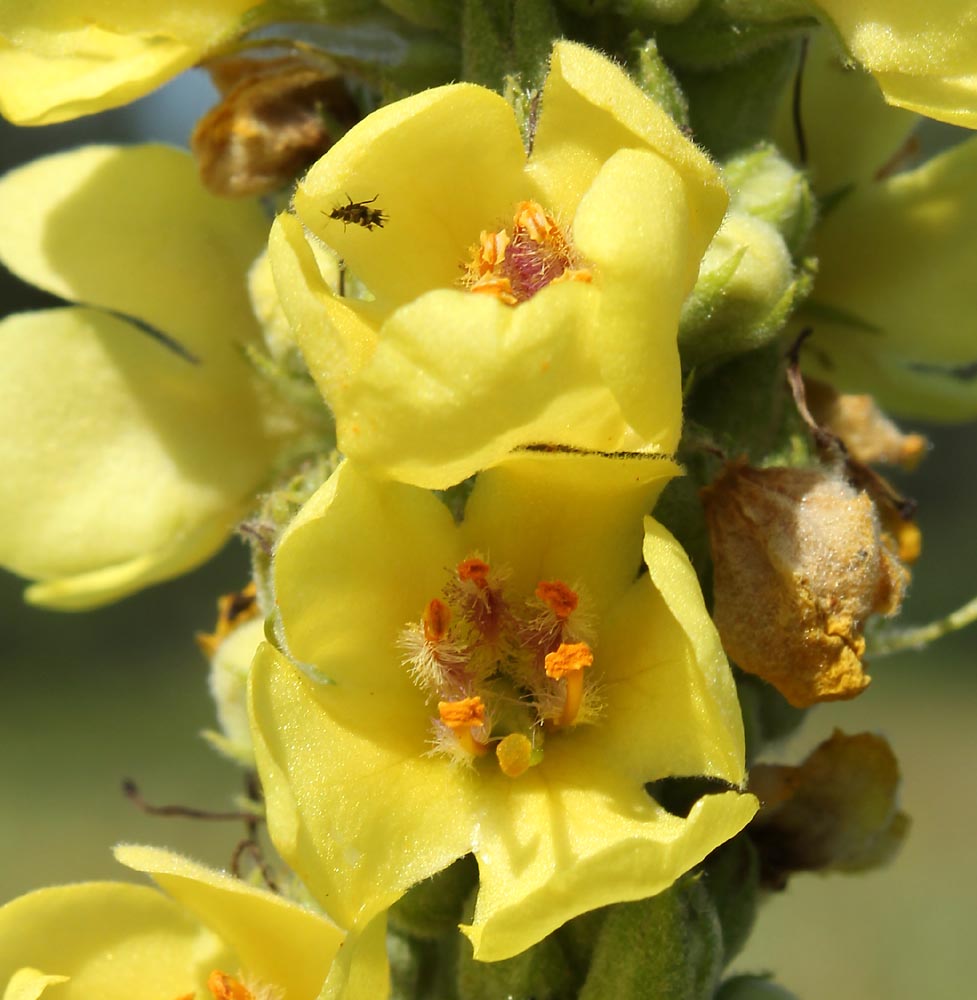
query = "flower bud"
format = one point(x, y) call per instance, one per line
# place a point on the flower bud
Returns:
point(670, 945)
point(743, 294)
point(230, 649)
point(763, 184)
point(836, 811)
point(273, 121)
point(799, 565)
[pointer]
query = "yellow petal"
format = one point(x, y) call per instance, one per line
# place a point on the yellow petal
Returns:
point(112, 941)
point(337, 336)
point(373, 584)
point(591, 109)
point(276, 941)
point(443, 165)
point(849, 130)
point(636, 225)
point(133, 230)
point(57, 63)
point(923, 55)
point(900, 256)
point(570, 517)
point(554, 846)
point(122, 465)
point(459, 380)
point(333, 760)
point(361, 970)
point(29, 984)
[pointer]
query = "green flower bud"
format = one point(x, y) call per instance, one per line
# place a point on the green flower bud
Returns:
point(765, 185)
point(669, 946)
point(744, 293)
point(539, 973)
point(732, 876)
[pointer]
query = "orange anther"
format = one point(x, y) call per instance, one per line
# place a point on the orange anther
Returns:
point(570, 658)
point(474, 569)
point(437, 618)
point(468, 713)
point(225, 987)
point(558, 597)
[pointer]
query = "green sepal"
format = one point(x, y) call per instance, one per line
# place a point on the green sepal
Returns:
point(750, 987)
point(732, 876)
point(654, 77)
point(669, 946)
point(434, 907)
point(764, 184)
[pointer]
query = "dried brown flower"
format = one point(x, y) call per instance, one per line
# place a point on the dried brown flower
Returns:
point(800, 563)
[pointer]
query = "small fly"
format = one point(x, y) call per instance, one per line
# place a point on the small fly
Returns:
point(358, 213)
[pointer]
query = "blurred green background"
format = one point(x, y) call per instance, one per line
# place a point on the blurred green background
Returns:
point(90, 699)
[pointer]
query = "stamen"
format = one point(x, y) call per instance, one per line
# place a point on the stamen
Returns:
point(461, 717)
point(515, 754)
point(558, 597)
point(225, 987)
point(514, 268)
point(437, 618)
point(474, 570)
point(568, 664)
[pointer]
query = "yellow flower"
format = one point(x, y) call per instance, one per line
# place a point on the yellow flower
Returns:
point(923, 55)
point(114, 941)
point(505, 687)
point(894, 296)
point(60, 58)
point(126, 459)
point(504, 301)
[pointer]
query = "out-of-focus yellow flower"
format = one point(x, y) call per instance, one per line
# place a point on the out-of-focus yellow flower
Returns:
point(505, 301)
point(894, 298)
point(62, 58)
point(849, 131)
point(116, 941)
point(923, 55)
point(505, 687)
point(127, 460)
